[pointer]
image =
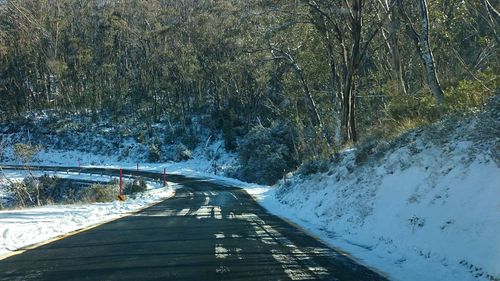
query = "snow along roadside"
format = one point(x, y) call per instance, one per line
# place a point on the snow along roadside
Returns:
point(411, 224)
point(22, 228)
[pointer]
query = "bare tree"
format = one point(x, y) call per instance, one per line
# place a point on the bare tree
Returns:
point(423, 45)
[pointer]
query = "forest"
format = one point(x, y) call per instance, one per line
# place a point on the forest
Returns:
point(300, 79)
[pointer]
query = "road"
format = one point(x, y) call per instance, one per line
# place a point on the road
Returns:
point(207, 231)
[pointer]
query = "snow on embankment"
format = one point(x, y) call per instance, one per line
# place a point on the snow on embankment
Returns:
point(24, 227)
point(424, 207)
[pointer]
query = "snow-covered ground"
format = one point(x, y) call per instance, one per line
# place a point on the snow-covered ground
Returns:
point(24, 227)
point(428, 208)
point(198, 165)
point(404, 221)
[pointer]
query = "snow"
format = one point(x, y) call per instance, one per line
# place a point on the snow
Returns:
point(21, 228)
point(430, 215)
point(198, 166)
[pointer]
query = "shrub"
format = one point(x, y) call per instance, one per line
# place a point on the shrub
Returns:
point(50, 190)
point(182, 153)
point(138, 185)
point(26, 152)
point(310, 167)
point(24, 194)
point(154, 153)
point(365, 150)
point(266, 154)
point(190, 140)
point(470, 95)
point(228, 129)
point(100, 193)
point(36, 191)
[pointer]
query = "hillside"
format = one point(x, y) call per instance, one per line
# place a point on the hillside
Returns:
point(74, 140)
point(423, 206)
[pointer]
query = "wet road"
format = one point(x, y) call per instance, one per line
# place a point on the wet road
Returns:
point(206, 231)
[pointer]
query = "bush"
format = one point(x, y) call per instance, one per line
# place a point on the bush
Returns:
point(266, 154)
point(182, 153)
point(25, 193)
point(310, 167)
point(26, 152)
point(37, 191)
point(365, 150)
point(154, 153)
point(49, 190)
point(190, 140)
point(100, 193)
point(228, 129)
point(470, 95)
point(138, 185)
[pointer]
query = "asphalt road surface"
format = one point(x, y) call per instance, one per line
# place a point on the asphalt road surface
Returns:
point(206, 231)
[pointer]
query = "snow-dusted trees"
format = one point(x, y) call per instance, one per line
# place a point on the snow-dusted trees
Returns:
point(334, 70)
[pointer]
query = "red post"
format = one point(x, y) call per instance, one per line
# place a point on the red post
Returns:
point(121, 175)
point(164, 176)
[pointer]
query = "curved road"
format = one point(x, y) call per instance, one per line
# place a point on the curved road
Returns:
point(206, 231)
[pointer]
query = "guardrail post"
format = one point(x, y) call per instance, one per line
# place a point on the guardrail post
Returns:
point(121, 175)
point(121, 197)
point(164, 176)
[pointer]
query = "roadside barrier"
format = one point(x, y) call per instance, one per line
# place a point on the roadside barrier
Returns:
point(164, 176)
point(121, 197)
point(103, 172)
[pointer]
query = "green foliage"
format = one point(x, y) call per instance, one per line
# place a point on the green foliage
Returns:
point(471, 95)
point(26, 152)
point(154, 153)
point(25, 193)
point(182, 153)
point(243, 63)
point(266, 154)
point(228, 130)
point(190, 140)
point(136, 186)
point(317, 166)
point(100, 193)
point(43, 191)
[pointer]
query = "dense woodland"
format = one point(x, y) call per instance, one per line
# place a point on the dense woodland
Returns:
point(311, 75)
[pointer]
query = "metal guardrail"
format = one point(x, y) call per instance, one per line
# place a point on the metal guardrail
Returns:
point(98, 171)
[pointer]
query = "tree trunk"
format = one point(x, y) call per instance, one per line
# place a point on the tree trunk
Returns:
point(349, 97)
point(349, 120)
point(396, 56)
point(336, 91)
point(426, 52)
point(307, 93)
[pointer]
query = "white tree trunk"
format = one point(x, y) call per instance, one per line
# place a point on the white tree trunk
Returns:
point(432, 78)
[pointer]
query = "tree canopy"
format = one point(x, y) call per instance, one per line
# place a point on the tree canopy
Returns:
point(332, 71)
